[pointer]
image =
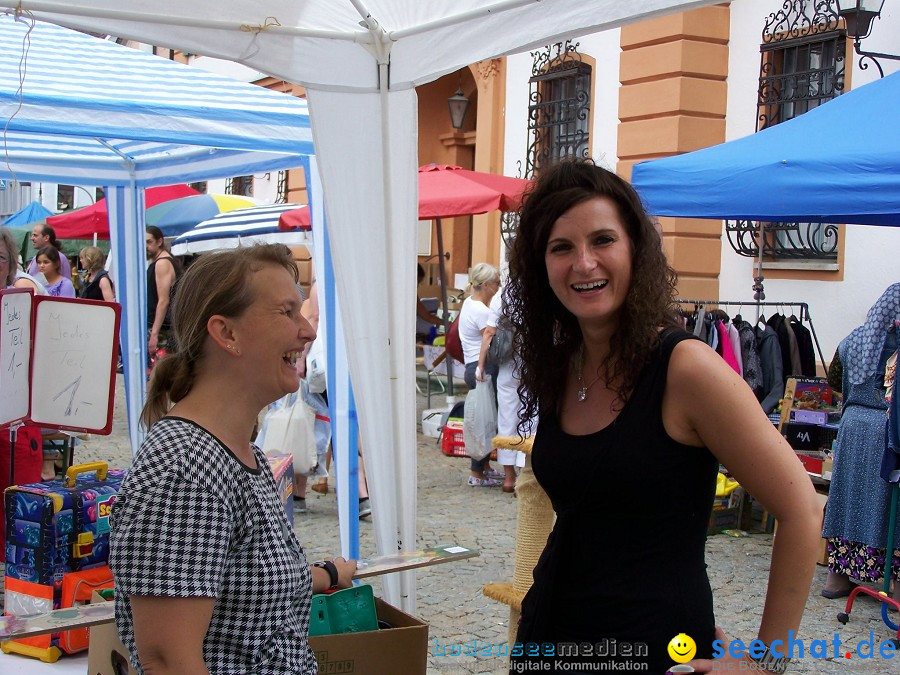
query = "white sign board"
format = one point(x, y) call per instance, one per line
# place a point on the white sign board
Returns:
point(74, 362)
point(15, 354)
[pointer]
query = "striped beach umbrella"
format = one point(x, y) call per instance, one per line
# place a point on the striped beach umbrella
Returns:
point(177, 216)
point(243, 227)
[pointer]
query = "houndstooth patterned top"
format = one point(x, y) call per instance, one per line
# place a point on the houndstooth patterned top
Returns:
point(193, 521)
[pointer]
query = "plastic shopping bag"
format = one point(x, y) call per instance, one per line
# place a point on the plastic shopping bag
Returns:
point(291, 428)
point(480, 421)
point(315, 367)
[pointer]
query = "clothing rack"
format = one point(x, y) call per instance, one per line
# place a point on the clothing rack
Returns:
point(804, 314)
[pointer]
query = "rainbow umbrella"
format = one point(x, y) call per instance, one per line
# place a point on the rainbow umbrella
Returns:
point(177, 216)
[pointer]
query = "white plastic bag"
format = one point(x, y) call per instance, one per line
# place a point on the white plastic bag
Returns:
point(480, 421)
point(291, 428)
point(315, 367)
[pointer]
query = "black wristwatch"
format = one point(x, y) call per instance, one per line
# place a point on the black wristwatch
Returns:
point(332, 570)
point(771, 663)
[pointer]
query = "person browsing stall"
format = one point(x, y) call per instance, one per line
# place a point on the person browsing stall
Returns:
point(43, 235)
point(28, 454)
point(859, 498)
point(97, 284)
point(484, 281)
point(646, 413)
point(422, 312)
point(209, 575)
point(162, 273)
point(11, 274)
point(48, 262)
point(508, 404)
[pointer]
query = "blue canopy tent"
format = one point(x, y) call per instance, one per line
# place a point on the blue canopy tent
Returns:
point(28, 214)
point(788, 172)
point(20, 225)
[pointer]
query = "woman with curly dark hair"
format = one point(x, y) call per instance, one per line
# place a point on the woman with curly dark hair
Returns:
point(645, 414)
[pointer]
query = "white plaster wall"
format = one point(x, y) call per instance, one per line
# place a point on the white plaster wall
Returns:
point(518, 70)
point(47, 194)
point(604, 49)
point(871, 253)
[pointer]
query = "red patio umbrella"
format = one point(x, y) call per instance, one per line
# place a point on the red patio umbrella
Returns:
point(83, 223)
point(295, 219)
point(449, 191)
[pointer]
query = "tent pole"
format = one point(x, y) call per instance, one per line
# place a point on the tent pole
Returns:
point(446, 313)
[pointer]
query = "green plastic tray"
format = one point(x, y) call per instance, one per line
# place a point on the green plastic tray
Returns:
point(351, 610)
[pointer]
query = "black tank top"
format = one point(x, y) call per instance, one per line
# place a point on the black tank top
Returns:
point(92, 290)
point(153, 293)
point(625, 561)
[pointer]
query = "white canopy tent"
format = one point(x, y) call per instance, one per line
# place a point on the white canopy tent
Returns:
point(360, 61)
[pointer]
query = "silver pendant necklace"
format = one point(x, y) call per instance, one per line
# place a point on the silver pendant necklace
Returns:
point(581, 394)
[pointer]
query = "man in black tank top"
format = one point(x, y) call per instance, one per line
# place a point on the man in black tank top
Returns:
point(161, 276)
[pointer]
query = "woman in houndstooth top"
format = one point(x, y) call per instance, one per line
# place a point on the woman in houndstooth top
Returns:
point(209, 575)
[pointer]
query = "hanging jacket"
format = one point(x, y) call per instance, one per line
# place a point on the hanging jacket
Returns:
point(725, 346)
point(805, 347)
point(700, 324)
point(772, 367)
point(734, 339)
point(750, 358)
point(778, 324)
point(712, 337)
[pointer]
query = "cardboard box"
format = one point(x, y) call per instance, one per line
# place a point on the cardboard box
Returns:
point(106, 653)
point(819, 417)
point(807, 393)
point(808, 436)
point(400, 649)
point(726, 513)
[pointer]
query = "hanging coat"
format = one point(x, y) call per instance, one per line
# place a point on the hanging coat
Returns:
point(805, 347)
point(772, 367)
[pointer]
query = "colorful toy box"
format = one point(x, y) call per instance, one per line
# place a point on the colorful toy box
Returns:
point(57, 539)
point(282, 466)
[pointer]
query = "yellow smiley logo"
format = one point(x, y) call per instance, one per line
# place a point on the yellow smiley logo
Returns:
point(682, 648)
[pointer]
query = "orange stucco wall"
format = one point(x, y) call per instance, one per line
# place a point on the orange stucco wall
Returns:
point(477, 145)
point(672, 100)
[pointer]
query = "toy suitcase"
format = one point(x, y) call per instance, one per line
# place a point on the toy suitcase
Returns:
point(55, 529)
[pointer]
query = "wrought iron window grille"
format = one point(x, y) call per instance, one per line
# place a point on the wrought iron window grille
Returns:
point(281, 189)
point(239, 185)
point(559, 106)
point(801, 66)
point(559, 113)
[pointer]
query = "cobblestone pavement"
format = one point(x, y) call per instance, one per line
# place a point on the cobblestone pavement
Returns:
point(450, 599)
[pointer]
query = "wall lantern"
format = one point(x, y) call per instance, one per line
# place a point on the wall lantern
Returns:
point(859, 16)
point(459, 104)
